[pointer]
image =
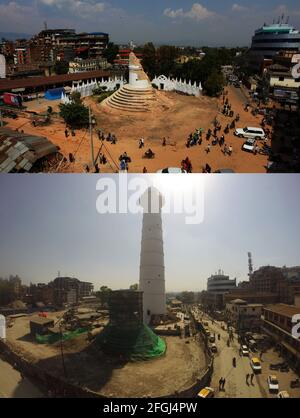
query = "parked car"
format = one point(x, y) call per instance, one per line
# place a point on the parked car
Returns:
point(206, 393)
point(249, 145)
point(250, 132)
point(283, 394)
point(255, 364)
point(245, 351)
point(273, 383)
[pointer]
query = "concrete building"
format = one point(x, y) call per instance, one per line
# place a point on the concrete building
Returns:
point(277, 323)
point(69, 290)
point(244, 316)
point(40, 325)
point(270, 279)
point(269, 40)
point(80, 65)
point(152, 268)
point(218, 285)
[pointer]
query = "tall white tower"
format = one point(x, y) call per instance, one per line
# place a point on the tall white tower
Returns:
point(152, 267)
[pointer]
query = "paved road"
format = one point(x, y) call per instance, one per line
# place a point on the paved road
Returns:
point(236, 386)
point(13, 386)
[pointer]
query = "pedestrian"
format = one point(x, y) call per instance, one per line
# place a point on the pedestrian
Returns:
point(66, 133)
point(252, 378)
point(230, 150)
point(247, 378)
point(145, 171)
point(73, 132)
point(220, 383)
point(223, 383)
point(208, 149)
point(87, 168)
point(164, 142)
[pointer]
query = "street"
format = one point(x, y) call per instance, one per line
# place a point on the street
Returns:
point(236, 386)
point(13, 386)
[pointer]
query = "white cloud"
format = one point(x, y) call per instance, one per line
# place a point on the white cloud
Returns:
point(83, 8)
point(197, 12)
point(238, 8)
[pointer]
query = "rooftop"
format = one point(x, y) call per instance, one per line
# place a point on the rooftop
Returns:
point(19, 152)
point(7, 85)
point(283, 309)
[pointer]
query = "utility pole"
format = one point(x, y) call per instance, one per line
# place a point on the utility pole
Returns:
point(91, 137)
point(62, 351)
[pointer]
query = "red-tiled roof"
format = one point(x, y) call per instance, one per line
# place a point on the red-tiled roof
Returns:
point(7, 85)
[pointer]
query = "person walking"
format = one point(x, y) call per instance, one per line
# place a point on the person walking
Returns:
point(66, 133)
point(220, 383)
point(223, 384)
point(247, 379)
point(252, 378)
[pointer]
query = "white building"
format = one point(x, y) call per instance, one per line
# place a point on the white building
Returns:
point(187, 87)
point(244, 316)
point(152, 268)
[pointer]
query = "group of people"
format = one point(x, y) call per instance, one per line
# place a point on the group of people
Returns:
point(67, 133)
point(110, 137)
point(186, 166)
point(195, 138)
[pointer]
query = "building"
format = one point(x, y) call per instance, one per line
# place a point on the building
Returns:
point(251, 296)
point(218, 286)
point(80, 65)
point(244, 316)
point(40, 325)
point(152, 268)
point(16, 284)
point(271, 280)
point(86, 45)
point(277, 323)
point(69, 290)
point(269, 40)
point(40, 292)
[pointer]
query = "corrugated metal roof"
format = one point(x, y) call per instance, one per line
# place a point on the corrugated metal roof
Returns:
point(19, 151)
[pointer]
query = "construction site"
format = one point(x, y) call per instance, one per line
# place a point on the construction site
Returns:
point(84, 351)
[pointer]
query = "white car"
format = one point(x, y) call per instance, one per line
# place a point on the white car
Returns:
point(245, 351)
point(171, 170)
point(250, 132)
point(284, 394)
point(273, 383)
point(249, 145)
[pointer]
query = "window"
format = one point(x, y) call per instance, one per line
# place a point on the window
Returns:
point(281, 78)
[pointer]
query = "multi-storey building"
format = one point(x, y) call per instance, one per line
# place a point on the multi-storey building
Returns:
point(244, 316)
point(218, 286)
point(278, 324)
point(269, 40)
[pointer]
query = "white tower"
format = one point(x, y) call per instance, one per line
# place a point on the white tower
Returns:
point(152, 268)
point(2, 66)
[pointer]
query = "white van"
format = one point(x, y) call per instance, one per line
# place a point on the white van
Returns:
point(250, 132)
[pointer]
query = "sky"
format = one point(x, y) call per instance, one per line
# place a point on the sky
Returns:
point(50, 224)
point(204, 23)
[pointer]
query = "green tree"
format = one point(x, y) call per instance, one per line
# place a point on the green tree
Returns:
point(134, 287)
point(6, 292)
point(149, 59)
point(187, 297)
point(166, 59)
point(111, 52)
point(75, 114)
point(214, 84)
point(61, 67)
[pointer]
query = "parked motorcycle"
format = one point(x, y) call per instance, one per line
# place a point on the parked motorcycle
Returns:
point(295, 384)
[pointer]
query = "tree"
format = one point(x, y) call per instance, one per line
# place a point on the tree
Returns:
point(214, 84)
point(166, 59)
point(6, 292)
point(61, 67)
point(75, 114)
point(111, 52)
point(149, 59)
point(134, 287)
point(103, 294)
point(187, 297)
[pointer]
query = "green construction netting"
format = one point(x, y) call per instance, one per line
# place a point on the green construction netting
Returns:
point(53, 338)
point(138, 343)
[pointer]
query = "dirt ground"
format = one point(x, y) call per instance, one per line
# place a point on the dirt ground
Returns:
point(175, 121)
point(88, 366)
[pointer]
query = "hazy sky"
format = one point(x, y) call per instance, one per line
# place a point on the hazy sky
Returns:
point(212, 22)
point(50, 224)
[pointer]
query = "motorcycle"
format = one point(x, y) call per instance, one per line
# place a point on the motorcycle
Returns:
point(295, 384)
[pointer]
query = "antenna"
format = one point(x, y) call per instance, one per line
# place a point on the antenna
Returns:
point(45, 25)
point(250, 264)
